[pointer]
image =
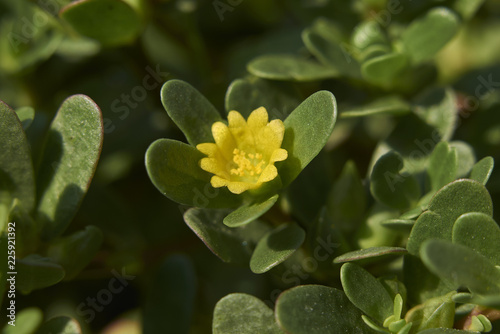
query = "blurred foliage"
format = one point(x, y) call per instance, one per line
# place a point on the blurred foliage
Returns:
point(393, 221)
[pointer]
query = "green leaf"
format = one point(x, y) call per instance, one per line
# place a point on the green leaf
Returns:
point(466, 158)
point(75, 251)
point(420, 40)
point(307, 130)
point(276, 246)
point(36, 272)
point(170, 298)
point(435, 312)
point(243, 314)
point(232, 245)
point(60, 325)
point(316, 309)
point(443, 164)
point(449, 203)
point(370, 253)
point(384, 68)
point(346, 201)
point(4, 267)
point(480, 233)
point(111, 22)
point(391, 187)
point(461, 266)
point(246, 95)
point(190, 111)
point(366, 292)
point(69, 160)
point(16, 167)
point(467, 8)
point(370, 40)
point(482, 170)
point(372, 233)
point(401, 225)
point(27, 321)
point(174, 169)
point(26, 116)
point(247, 213)
point(289, 68)
point(323, 39)
point(387, 105)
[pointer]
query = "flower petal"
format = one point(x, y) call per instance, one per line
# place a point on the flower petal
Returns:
point(224, 139)
point(269, 173)
point(239, 187)
point(209, 149)
point(278, 128)
point(218, 182)
point(258, 118)
point(235, 120)
point(278, 155)
point(214, 166)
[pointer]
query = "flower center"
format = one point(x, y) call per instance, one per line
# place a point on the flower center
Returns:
point(247, 164)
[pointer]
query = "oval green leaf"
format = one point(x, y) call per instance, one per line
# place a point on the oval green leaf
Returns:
point(382, 69)
point(27, 321)
point(60, 325)
point(16, 167)
point(72, 149)
point(243, 314)
point(111, 22)
point(316, 309)
point(369, 253)
point(420, 39)
point(482, 170)
point(247, 213)
point(190, 111)
point(289, 68)
point(276, 246)
point(36, 272)
point(461, 266)
point(480, 233)
point(307, 130)
point(366, 292)
point(174, 169)
point(443, 165)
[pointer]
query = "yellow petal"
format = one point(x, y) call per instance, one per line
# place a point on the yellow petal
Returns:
point(278, 128)
point(224, 139)
point(235, 120)
point(213, 166)
point(269, 173)
point(278, 155)
point(258, 118)
point(207, 148)
point(218, 182)
point(239, 187)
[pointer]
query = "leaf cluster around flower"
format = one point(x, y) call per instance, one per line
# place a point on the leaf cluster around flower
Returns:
point(239, 163)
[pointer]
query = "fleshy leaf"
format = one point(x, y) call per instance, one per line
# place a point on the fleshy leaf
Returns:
point(480, 233)
point(69, 160)
point(289, 68)
point(449, 203)
point(443, 164)
point(482, 170)
point(388, 105)
point(461, 266)
point(16, 167)
point(243, 314)
point(75, 251)
point(323, 39)
point(389, 186)
point(370, 253)
point(276, 246)
point(60, 325)
point(111, 22)
point(35, 272)
point(190, 111)
point(384, 68)
point(465, 157)
point(316, 309)
point(246, 95)
point(174, 169)
point(307, 130)
point(435, 312)
point(232, 245)
point(366, 292)
point(420, 40)
point(248, 213)
point(170, 298)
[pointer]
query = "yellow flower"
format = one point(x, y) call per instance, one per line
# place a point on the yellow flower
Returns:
point(244, 152)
